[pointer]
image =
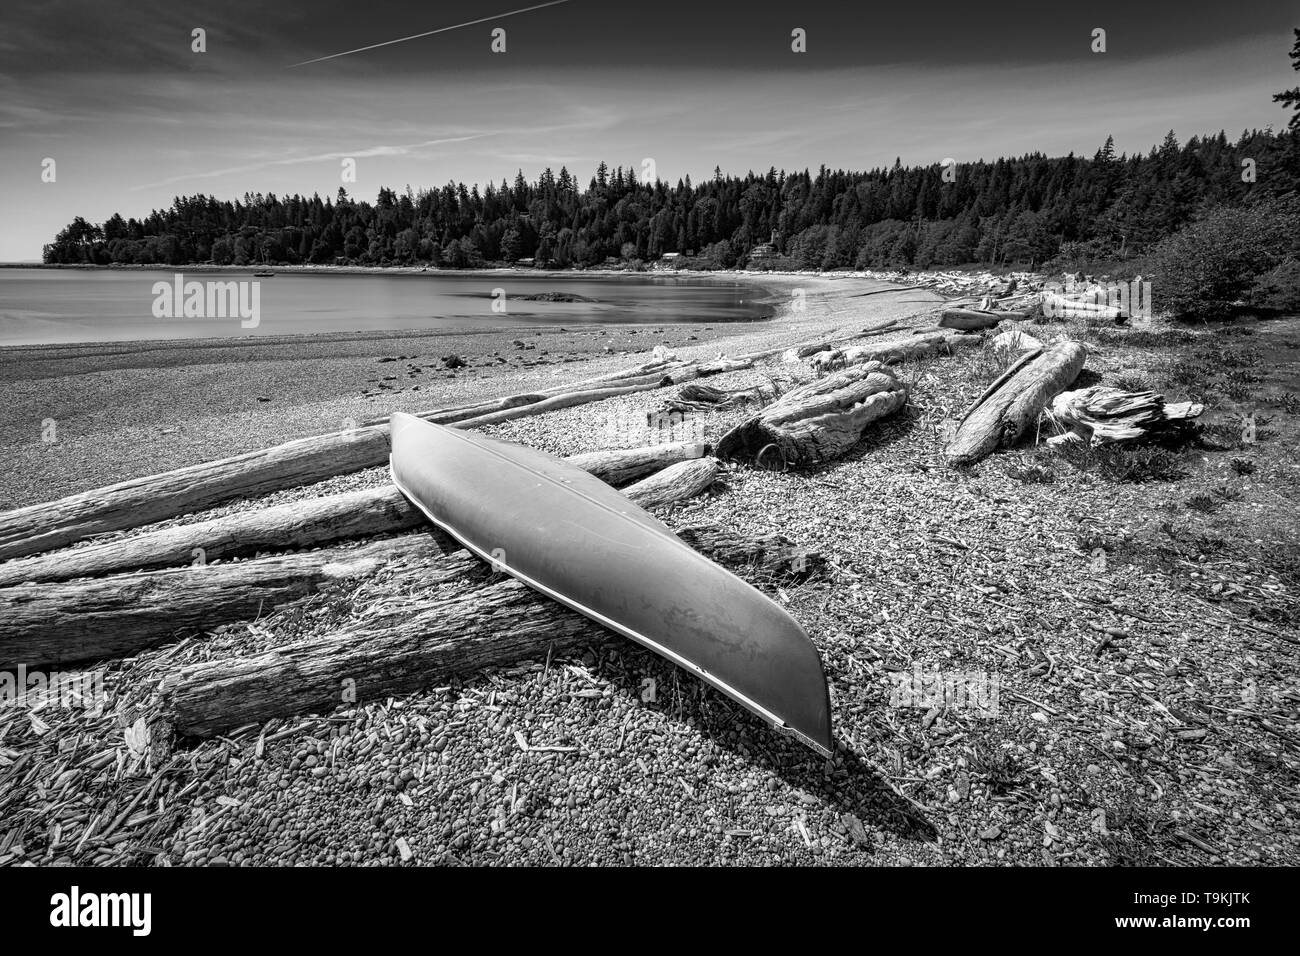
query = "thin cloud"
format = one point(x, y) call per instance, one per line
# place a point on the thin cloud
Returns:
point(402, 150)
point(417, 36)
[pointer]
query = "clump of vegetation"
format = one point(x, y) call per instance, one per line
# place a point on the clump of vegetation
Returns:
point(1206, 504)
point(999, 768)
point(1214, 265)
point(1243, 466)
point(1144, 338)
point(1125, 463)
point(1236, 390)
point(1289, 401)
point(1031, 474)
point(1279, 288)
point(1133, 381)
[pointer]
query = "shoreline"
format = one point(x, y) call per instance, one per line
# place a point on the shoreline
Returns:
point(127, 409)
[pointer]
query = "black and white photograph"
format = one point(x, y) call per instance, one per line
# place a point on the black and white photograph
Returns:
point(608, 435)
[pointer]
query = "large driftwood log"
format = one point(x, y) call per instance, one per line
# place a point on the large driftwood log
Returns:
point(936, 343)
point(55, 623)
point(968, 319)
point(422, 640)
point(298, 524)
point(619, 466)
point(767, 555)
point(141, 501)
point(1012, 404)
point(675, 483)
point(123, 614)
point(818, 421)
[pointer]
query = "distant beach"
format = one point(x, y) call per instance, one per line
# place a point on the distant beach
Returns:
point(133, 408)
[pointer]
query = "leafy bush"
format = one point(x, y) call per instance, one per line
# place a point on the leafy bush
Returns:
point(1216, 262)
point(1279, 288)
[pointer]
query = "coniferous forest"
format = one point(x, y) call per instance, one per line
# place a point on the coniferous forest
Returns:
point(1011, 212)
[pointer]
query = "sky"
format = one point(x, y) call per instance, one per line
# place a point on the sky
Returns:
point(132, 116)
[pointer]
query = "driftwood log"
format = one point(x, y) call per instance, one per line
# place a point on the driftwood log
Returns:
point(818, 421)
point(1102, 414)
point(698, 397)
point(1012, 404)
point(424, 639)
point(122, 614)
point(674, 483)
point(101, 618)
point(971, 319)
point(298, 524)
point(618, 466)
point(934, 343)
point(141, 501)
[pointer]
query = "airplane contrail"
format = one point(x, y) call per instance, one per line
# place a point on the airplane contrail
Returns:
point(457, 26)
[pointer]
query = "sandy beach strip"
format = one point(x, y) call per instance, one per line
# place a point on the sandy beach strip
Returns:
point(124, 410)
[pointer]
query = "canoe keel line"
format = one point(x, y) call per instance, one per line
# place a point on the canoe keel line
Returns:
point(571, 537)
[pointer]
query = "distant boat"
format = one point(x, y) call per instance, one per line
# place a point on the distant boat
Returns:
point(263, 275)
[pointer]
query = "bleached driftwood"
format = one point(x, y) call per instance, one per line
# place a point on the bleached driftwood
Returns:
point(675, 483)
point(818, 421)
point(298, 524)
point(1102, 414)
point(935, 343)
point(1011, 405)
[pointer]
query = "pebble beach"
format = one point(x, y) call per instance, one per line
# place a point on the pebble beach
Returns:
point(1121, 734)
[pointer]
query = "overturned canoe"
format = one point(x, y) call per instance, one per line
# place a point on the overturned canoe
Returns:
point(576, 540)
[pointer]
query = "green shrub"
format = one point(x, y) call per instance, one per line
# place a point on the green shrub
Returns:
point(1215, 263)
point(1279, 288)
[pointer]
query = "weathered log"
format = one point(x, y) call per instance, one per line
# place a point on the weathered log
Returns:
point(675, 483)
point(697, 397)
point(619, 466)
point(818, 421)
point(1002, 415)
point(298, 524)
point(969, 319)
point(460, 628)
point(141, 501)
point(555, 402)
point(103, 618)
point(1102, 414)
point(935, 343)
point(55, 623)
point(767, 555)
point(422, 643)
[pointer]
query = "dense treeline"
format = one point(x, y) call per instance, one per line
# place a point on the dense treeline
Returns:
point(1010, 212)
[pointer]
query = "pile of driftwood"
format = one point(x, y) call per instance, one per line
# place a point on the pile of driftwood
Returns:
point(965, 284)
point(116, 594)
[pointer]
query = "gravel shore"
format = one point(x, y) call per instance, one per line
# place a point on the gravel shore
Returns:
point(1141, 637)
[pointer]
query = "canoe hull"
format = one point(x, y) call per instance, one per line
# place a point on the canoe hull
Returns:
point(570, 536)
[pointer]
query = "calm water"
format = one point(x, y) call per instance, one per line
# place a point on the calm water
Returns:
point(47, 306)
